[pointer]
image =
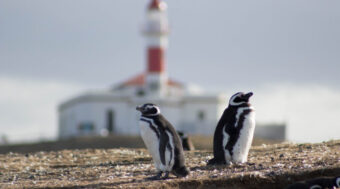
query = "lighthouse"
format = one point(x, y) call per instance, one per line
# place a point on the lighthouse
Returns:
point(156, 30)
point(113, 110)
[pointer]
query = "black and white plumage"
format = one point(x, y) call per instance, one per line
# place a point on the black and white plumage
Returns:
point(162, 141)
point(317, 183)
point(234, 132)
point(186, 141)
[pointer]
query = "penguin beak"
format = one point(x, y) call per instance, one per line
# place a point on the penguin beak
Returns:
point(139, 108)
point(247, 96)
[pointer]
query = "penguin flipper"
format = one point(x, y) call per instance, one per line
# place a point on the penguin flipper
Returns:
point(232, 139)
point(163, 145)
point(181, 172)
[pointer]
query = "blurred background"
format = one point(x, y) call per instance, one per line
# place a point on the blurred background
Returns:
point(286, 52)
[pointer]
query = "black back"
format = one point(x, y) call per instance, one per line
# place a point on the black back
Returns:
point(186, 141)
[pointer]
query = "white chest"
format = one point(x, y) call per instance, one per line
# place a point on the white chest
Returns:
point(149, 137)
point(243, 144)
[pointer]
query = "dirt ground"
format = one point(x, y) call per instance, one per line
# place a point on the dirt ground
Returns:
point(269, 166)
point(109, 142)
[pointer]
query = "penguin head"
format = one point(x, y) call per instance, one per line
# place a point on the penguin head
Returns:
point(182, 135)
point(240, 98)
point(149, 109)
point(337, 181)
point(324, 182)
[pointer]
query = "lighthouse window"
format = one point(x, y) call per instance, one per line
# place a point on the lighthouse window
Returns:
point(201, 115)
point(140, 92)
point(154, 86)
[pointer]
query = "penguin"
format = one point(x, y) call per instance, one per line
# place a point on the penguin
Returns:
point(317, 183)
point(234, 131)
point(186, 141)
point(162, 142)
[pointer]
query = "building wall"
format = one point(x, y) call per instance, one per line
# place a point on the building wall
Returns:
point(172, 114)
point(191, 114)
point(200, 114)
point(71, 118)
point(271, 131)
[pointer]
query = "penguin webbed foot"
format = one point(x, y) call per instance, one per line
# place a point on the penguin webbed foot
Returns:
point(216, 162)
point(156, 177)
point(181, 172)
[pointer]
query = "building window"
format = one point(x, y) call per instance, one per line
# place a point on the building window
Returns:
point(110, 121)
point(86, 128)
point(154, 86)
point(201, 115)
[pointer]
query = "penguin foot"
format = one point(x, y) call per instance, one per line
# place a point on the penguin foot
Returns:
point(156, 177)
point(216, 162)
point(166, 176)
point(181, 172)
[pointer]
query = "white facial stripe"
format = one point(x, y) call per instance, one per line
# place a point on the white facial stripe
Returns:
point(231, 101)
point(157, 113)
point(149, 106)
point(236, 104)
point(158, 110)
point(153, 106)
point(316, 187)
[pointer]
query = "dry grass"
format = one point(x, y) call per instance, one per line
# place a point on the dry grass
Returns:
point(269, 166)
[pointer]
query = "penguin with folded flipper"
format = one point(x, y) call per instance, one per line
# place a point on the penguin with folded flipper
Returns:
point(234, 132)
point(162, 142)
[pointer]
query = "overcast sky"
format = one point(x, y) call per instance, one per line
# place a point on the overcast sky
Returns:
point(287, 52)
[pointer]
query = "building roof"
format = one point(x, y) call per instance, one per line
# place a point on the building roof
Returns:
point(139, 80)
point(93, 96)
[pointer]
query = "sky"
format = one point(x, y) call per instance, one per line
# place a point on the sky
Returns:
point(286, 52)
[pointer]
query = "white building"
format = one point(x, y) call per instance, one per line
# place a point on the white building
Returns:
point(114, 110)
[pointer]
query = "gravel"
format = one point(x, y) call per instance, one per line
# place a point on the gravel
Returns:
point(268, 166)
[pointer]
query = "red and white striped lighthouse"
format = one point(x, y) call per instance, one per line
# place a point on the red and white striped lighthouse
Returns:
point(156, 31)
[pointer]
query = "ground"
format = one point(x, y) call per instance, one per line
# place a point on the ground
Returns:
point(269, 166)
